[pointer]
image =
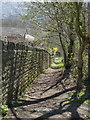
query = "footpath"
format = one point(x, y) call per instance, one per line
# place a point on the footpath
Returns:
point(49, 99)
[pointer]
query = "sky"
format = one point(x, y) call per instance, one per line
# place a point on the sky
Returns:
point(6, 9)
point(21, 0)
point(44, 0)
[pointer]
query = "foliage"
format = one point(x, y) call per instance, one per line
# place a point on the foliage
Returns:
point(79, 97)
point(4, 109)
point(63, 25)
point(53, 51)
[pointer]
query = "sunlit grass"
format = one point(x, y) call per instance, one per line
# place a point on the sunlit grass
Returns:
point(61, 64)
point(58, 63)
point(80, 94)
point(49, 68)
point(58, 60)
point(53, 64)
point(87, 101)
point(79, 97)
point(62, 68)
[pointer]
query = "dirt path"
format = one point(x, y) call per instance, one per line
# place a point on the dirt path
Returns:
point(48, 99)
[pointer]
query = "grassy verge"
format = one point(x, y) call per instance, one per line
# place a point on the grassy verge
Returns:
point(58, 63)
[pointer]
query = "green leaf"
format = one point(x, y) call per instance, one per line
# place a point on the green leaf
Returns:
point(4, 109)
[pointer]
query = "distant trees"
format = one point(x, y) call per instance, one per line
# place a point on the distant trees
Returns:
point(13, 22)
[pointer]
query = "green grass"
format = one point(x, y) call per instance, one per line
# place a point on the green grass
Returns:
point(49, 68)
point(66, 102)
point(58, 59)
point(58, 63)
point(53, 64)
point(88, 116)
point(87, 101)
point(80, 94)
point(61, 64)
point(81, 97)
point(62, 68)
point(4, 110)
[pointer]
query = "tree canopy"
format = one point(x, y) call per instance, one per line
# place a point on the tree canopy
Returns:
point(64, 25)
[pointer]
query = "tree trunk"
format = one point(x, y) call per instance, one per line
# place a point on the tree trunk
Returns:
point(64, 52)
point(80, 67)
point(88, 80)
point(70, 51)
point(89, 62)
point(70, 47)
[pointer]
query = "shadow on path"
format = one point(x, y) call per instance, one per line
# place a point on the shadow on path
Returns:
point(59, 79)
point(73, 104)
point(67, 105)
point(26, 102)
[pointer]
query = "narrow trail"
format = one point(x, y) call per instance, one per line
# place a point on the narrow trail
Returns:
point(46, 100)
